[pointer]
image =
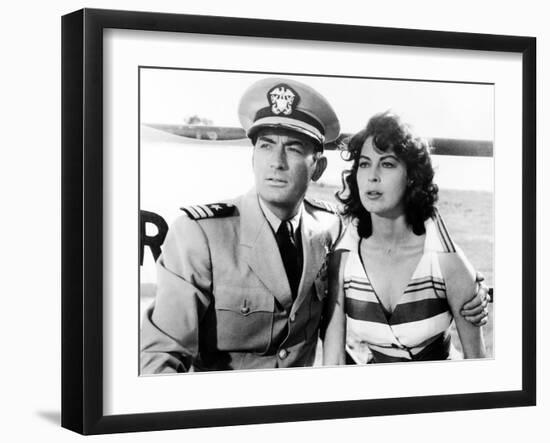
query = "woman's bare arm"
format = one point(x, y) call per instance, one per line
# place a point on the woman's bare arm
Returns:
point(460, 283)
point(334, 344)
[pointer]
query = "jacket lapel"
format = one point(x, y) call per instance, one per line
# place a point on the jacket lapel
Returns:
point(260, 250)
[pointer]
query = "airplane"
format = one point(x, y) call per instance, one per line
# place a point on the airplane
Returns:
point(440, 146)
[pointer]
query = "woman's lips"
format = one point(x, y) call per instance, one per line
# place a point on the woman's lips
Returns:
point(373, 195)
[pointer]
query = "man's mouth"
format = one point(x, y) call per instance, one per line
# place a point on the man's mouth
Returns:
point(276, 181)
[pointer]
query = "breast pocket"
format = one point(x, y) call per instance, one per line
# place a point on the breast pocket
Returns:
point(244, 318)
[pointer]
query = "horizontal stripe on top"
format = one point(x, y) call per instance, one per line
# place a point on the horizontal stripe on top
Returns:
point(353, 285)
point(432, 281)
point(425, 286)
point(425, 294)
point(358, 283)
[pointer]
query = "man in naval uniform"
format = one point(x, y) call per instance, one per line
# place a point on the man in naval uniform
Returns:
point(242, 284)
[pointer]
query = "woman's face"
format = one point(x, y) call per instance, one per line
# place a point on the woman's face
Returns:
point(381, 180)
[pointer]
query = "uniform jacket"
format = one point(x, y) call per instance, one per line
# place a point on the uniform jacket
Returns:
point(223, 300)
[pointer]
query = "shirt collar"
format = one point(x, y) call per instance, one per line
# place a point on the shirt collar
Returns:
point(275, 221)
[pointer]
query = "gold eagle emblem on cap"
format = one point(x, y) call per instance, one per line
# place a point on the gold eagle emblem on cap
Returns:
point(283, 99)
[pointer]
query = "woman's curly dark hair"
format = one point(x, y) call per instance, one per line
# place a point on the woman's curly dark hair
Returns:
point(389, 132)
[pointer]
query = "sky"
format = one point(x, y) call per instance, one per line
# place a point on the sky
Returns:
point(435, 109)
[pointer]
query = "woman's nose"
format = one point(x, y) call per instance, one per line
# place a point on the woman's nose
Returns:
point(373, 176)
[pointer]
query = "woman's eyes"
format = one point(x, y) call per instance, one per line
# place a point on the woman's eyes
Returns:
point(385, 164)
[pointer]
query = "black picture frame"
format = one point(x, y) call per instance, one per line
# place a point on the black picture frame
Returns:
point(82, 219)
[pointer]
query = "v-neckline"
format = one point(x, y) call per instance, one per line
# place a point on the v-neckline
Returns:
point(387, 313)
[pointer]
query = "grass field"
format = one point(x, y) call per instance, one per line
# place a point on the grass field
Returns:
point(469, 219)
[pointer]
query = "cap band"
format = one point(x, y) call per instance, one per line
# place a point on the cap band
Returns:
point(287, 123)
point(296, 115)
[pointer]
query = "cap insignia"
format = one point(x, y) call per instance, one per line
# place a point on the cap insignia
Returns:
point(283, 99)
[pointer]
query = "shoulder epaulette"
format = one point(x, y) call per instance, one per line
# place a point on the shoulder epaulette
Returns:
point(211, 210)
point(323, 205)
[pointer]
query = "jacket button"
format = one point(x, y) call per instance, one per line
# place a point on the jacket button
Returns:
point(283, 353)
point(245, 310)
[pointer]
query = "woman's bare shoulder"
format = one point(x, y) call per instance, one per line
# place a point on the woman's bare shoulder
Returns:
point(458, 273)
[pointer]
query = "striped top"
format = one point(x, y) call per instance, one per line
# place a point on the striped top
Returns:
point(417, 329)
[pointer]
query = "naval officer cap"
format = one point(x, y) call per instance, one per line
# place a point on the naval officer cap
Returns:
point(288, 104)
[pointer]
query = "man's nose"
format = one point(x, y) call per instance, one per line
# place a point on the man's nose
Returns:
point(278, 158)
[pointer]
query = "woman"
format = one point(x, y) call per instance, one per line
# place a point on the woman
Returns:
point(396, 279)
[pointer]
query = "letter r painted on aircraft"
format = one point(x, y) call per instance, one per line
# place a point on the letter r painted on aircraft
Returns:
point(154, 242)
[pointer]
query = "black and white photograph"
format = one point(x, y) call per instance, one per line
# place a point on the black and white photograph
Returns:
point(251, 221)
point(291, 220)
point(287, 221)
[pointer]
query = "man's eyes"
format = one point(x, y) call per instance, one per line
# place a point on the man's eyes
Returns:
point(297, 149)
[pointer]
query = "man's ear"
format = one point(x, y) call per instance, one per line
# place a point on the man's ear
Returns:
point(320, 167)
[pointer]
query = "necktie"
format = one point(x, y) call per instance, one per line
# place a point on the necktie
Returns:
point(291, 256)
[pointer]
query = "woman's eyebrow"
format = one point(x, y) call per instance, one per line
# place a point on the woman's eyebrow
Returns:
point(384, 157)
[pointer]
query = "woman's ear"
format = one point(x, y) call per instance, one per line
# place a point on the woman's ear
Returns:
point(320, 166)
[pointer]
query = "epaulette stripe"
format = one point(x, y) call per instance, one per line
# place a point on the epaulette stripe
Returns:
point(194, 212)
point(215, 210)
point(207, 210)
point(200, 210)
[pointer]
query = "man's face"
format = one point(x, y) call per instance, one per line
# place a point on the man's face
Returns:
point(284, 162)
